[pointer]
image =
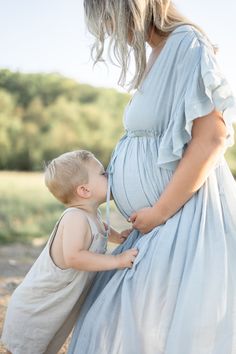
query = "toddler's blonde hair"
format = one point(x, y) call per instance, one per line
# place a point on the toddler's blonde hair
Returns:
point(66, 172)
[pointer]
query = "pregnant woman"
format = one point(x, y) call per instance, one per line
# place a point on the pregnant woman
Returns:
point(169, 176)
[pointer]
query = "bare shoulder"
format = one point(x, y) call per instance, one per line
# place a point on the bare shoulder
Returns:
point(75, 215)
point(75, 218)
point(76, 232)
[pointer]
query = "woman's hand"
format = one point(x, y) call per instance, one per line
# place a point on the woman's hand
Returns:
point(145, 220)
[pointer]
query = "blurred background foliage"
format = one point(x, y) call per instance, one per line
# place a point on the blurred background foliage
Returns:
point(42, 116)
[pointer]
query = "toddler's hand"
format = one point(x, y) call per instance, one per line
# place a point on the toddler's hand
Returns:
point(123, 235)
point(126, 258)
point(119, 237)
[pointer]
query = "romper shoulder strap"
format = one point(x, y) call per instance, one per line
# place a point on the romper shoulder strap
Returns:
point(92, 225)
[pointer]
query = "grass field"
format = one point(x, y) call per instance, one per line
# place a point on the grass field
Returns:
point(27, 209)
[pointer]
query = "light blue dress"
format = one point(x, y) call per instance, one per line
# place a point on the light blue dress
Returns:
point(180, 295)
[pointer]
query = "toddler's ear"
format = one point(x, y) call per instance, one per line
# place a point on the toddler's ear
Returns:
point(83, 191)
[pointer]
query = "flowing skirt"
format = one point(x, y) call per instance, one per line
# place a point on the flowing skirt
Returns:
point(180, 295)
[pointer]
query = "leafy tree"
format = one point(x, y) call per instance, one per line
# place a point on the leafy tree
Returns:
point(44, 115)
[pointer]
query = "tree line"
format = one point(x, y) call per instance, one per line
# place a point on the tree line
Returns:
point(44, 115)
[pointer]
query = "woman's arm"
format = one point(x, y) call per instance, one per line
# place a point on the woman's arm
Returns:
point(202, 153)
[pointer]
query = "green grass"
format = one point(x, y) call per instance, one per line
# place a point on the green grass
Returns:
point(28, 210)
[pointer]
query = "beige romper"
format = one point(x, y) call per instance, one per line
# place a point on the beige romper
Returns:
point(44, 307)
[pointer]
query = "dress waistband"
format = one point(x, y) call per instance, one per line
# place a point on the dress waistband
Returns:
point(143, 132)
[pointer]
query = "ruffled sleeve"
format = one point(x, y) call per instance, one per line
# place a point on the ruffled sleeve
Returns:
point(204, 89)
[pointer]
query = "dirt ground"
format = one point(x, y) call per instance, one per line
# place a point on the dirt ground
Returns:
point(15, 261)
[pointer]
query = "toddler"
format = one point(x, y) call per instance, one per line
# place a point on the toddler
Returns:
point(44, 307)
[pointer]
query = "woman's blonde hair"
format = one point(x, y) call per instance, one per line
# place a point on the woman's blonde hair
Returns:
point(66, 172)
point(123, 19)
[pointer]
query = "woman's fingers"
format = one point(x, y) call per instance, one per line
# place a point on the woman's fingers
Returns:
point(132, 217)
point(136, 224)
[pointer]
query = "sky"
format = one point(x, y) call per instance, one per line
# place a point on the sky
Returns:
point(50, 36)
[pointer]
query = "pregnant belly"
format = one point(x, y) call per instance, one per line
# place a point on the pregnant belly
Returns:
point(137, 181)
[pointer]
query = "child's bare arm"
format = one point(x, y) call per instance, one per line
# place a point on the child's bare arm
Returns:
point(89, 261)
point(76, 240)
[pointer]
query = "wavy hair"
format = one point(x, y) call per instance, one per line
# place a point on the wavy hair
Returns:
point(127, 23)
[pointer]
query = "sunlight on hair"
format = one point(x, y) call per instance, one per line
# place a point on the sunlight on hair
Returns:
point(127, 24)
point(66, 172)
